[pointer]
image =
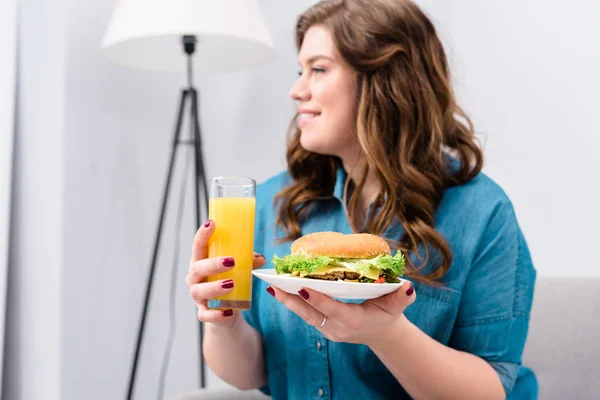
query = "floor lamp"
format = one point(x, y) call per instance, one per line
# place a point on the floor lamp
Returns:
point(226, 36)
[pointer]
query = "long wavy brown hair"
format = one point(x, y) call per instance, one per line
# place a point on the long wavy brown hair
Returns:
point(407, 122)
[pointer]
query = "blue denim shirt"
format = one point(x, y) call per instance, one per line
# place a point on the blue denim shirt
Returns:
point(483, 308)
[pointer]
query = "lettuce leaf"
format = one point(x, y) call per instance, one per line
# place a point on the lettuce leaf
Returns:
point(394, 265)
point(292, 263)
point(361, 266)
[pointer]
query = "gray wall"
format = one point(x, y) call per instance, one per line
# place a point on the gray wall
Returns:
point(118, 132)
point(526, 71)
point(93, 148)
point(36, 267)
point(8, 49)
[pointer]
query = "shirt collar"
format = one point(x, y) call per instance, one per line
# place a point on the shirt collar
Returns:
point(340, 181)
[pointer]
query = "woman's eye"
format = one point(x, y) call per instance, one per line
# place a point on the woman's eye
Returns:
point(314, 70)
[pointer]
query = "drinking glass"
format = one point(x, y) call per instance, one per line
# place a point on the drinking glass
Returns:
point(231, 206)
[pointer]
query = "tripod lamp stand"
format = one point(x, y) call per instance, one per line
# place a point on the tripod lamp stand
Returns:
point(226, 35)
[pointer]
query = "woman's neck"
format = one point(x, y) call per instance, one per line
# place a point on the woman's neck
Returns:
point(371, 187)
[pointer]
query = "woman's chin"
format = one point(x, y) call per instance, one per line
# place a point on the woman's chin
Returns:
point(309, 144)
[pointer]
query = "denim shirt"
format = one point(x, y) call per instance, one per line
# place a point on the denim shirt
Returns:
point(483, 307)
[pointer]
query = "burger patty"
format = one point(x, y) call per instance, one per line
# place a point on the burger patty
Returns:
point(335, 275)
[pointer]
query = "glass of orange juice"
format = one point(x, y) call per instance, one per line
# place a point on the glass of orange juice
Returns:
point(231, 206)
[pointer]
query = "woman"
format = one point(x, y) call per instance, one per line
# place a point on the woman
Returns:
point(380, 146)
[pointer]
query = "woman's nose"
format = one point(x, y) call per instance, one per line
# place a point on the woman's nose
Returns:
point(299, 91)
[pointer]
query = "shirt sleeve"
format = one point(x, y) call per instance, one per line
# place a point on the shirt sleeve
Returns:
point(493, 316)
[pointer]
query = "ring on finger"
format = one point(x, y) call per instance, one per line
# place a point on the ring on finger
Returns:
point(323, 322)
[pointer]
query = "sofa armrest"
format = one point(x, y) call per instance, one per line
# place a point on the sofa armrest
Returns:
point(220, 394)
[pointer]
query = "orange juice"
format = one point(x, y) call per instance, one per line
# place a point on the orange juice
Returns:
point(233, 237)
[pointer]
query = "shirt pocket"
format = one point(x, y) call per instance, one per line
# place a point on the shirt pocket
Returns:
point(434, 312)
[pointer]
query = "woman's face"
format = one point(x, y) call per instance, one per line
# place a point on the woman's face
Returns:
point(326, 95)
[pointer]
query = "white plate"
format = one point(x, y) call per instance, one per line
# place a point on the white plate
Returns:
point(338, 290)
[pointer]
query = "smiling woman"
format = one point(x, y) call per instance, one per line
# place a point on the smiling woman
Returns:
point(381, 150)
point(326, 95)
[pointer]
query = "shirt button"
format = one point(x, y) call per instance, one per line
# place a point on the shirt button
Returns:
point(318, 345)
point(321, 393)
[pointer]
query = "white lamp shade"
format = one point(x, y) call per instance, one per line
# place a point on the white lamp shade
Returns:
point(146, 34)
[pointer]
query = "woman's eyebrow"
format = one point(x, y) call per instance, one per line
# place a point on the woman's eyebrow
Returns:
point(314, 58)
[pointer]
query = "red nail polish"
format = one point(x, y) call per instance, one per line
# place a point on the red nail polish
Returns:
point(259, 256)
point(271, 291)
point(228, 284)
point(227, 313)
point(410, 290)
point(207, 224)
point(228, 262)
point(304, 294)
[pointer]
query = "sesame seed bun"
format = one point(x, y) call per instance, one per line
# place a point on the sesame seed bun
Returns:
point(338, 245)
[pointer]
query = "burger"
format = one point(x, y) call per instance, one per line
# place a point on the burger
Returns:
point(335, 256)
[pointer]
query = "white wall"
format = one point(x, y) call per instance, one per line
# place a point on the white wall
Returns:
point(527, 72)
point(33, 343)
point(93, 148)
point(8, 50)
point(119, 130)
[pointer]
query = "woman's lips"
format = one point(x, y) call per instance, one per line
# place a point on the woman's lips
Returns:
point(306, 118)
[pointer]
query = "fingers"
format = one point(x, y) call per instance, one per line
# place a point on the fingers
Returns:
point(210, 290)
point(200, 244)
point(214, 316)
point(202, 269)
point(298, 306)
point(326, 305)
point(396, 302)
point(258, 261)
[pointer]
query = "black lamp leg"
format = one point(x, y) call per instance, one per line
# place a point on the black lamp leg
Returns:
point(156, 246)
point(200, 177)
point(200, 169)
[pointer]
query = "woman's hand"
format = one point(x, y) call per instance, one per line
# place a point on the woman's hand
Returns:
point(348, 322)
point(201, 268)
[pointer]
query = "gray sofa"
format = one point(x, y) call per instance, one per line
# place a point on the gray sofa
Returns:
point(563, 346)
